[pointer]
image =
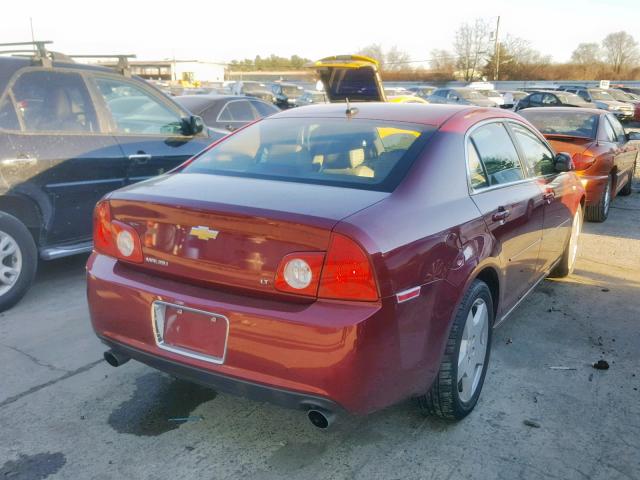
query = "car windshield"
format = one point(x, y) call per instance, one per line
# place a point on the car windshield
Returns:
point(291, 91)
point(601, 95)
point(364, 154)
point(570, 98)
point(620, 95)
point(574, 124)
point(470, 94)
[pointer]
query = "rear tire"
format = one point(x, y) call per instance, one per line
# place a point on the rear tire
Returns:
point(18, 260)
point(570, 254)
point(626, 190)
point(456, 388)
point(600, 211)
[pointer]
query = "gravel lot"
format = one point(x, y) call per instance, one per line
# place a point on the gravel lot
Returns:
point(65, 414)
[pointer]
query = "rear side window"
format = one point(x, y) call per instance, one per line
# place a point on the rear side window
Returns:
point(264, 109)
point(617, 127)
point(8, 116)
point(50, 101)
point(537, 156)
point(497, 154)
point(365, 154)
point(609, 133)
point(237, 111)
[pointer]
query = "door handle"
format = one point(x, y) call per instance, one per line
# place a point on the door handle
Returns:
point(549, 196)
point(140, 158)
point(20, 160)
point(500, 215)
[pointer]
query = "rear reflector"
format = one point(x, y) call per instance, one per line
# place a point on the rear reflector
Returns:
point(408, 294)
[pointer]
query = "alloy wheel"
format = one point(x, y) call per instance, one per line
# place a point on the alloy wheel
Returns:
point(607, 197)
point(573, 240)
point(10, 262)
point(473, 350)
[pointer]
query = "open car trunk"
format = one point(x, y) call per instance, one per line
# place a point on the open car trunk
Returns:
point(352, 77)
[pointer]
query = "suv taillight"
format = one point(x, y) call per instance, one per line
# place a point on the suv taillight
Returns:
point(114, 238)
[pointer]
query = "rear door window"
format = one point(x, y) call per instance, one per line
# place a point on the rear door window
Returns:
point(51, 101)
point(538, 157)
point(497, 153)
point(609, 133)
point(237, 111)
point(264, 109)
point(617, 128)
point(8, 116)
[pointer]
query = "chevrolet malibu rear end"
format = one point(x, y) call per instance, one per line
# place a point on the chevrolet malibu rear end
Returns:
point(315, 259)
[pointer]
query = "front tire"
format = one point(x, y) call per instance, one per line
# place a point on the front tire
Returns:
point(18, 260)
point(457, 387)
point(600, 211)
point(570, 254)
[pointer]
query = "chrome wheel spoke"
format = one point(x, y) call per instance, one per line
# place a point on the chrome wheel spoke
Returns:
point(10, 262)
point(473, 350)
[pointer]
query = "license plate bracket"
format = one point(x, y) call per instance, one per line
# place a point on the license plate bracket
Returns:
point(190, 332)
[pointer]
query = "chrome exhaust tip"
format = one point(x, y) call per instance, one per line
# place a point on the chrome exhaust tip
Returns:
point(115, 359)
point(321, 418)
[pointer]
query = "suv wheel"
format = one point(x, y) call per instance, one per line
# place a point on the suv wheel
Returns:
point(18, 260)
point(456, 389)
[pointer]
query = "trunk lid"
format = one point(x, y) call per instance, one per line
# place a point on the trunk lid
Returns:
point(230, 231)
point(353, 77)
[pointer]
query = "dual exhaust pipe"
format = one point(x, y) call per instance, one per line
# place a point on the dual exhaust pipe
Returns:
point(319, 417)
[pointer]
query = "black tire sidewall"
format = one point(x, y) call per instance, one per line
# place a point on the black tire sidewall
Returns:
point(12, 226)
point(478, 289)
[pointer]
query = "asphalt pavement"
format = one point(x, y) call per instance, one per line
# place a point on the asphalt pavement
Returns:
point(545, 412)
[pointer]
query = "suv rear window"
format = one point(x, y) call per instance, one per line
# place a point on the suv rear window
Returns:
point(364, 154)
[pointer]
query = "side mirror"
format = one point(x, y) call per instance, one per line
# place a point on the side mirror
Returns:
point(563, 163)
point(633, 136)
point(192, 125)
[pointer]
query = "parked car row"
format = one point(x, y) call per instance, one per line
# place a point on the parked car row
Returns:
point(298, 259)
point(372, 233)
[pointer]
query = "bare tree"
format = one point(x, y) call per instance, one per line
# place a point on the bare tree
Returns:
point(442, 61)
point(620, 51)
point(374, 51)
point(396, 59)
point(471, 45)
point(586, 57)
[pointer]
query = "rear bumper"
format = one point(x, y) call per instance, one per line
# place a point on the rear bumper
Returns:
point(354, 356)
point(222, 383)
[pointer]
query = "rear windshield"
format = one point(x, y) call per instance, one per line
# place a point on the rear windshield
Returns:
point(575, 124)
point(357, 85)
point(601, 95)
point(570, 98)
point(364, 154)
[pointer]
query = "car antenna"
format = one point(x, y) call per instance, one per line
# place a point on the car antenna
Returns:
point(350, 110)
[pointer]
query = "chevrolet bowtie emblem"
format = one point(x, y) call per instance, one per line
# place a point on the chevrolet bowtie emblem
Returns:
point(203, 233)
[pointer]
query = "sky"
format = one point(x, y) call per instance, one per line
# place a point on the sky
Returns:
point(226, 30)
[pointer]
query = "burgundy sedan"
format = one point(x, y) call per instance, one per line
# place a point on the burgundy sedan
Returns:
point(603, 154)
point(333, 259)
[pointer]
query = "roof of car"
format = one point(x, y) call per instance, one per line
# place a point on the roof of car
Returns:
point(10, 64)
point(198, 103)
point(427, 114)
point(547, 110)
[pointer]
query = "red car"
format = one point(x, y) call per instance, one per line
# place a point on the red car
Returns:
point(603, 155)
point(334, 258)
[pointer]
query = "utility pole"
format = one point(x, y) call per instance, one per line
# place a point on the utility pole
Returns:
point(33, 38)
point(496, 52)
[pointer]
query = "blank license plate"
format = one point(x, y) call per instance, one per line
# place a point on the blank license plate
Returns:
point(190, 332)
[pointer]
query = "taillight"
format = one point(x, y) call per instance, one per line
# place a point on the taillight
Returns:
point(344, 273)
point(300, 273)
point(347, 273)
point(583, 160)
point(114, 238)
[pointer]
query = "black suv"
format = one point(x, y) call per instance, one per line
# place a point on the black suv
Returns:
point(69, 134)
